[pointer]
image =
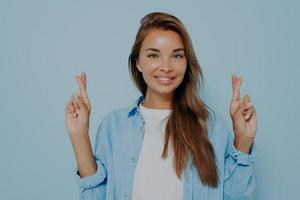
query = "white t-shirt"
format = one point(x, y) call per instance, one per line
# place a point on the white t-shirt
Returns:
point(155, 178)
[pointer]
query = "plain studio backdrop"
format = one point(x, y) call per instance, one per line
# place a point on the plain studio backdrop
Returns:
point(43, 44)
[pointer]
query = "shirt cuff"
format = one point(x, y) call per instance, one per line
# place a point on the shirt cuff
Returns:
point(92, 180)
point(242, 158)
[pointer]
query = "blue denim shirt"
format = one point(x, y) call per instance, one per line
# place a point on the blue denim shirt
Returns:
point(117, 147)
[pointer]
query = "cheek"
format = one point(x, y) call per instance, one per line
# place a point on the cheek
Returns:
point(181, 74)
point(149, 66)
point(182, 71)
point(147, 74)
point(180, 65)
point(148, 70)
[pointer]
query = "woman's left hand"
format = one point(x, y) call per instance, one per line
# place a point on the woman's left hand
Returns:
point(243, 116)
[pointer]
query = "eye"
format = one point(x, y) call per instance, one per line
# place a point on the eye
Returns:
point(152, 55)
point(179, 56)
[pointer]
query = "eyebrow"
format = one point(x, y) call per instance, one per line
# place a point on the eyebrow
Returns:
point(157, 50)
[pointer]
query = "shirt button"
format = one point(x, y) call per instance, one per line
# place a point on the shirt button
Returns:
point(133, 160)
point(125, 194)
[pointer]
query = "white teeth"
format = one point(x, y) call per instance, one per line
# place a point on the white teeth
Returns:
point(164, 79)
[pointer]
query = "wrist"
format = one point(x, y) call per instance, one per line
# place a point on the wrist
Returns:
point(243, 144)
point(81, 136)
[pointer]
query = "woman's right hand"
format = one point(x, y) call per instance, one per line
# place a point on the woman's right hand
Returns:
point(78, 110)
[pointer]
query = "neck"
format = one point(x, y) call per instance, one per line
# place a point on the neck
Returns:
point(156, 101)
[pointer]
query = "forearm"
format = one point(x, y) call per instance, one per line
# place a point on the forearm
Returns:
point(84, 155)
point(240, 182)
point(239, 179)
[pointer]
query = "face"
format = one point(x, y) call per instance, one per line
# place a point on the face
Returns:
point(162, 61)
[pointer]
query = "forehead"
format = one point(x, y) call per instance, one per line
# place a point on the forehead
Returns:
point(162, 40)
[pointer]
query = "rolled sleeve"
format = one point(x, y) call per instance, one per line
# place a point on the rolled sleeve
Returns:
point(91, 181)
point(239, 181)
point(240, 157)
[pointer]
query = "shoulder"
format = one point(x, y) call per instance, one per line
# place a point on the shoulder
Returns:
point(113, 123)
point(115, 116)
point(118, 113)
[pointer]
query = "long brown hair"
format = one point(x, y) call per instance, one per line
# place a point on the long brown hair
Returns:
point(186, 128)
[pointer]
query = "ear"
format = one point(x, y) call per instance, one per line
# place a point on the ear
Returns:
point(139, 67)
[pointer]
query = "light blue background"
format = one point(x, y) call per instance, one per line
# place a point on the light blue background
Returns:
point(43, 44)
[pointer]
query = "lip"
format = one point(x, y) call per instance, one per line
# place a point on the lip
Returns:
point(165, 82)
point(172, 77)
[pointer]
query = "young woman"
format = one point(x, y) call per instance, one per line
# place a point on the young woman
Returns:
point(168, 144)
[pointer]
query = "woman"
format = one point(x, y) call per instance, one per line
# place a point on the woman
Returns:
point(168, 144)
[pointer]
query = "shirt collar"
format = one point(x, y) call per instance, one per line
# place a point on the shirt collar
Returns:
point(135, 106)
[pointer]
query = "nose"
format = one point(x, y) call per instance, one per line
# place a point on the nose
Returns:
point(166, 66)
point(166, 69)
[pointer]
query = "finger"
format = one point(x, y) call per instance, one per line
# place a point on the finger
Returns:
point(80, 83)
point(81, 80)
point(246, 103)
point(249, 113)
point(253, 118)
point(245, 111)
point(76, 111)
point(247, 106)
point(80, 103)
point(246, 99)
point(70, 108)
point(254, 112)
point(74, 101)
point(241, 109)
point(236, 84)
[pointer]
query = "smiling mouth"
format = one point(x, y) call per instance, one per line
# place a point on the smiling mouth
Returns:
point(164, 78)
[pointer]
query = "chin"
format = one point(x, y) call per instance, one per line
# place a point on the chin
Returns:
point(164, 91)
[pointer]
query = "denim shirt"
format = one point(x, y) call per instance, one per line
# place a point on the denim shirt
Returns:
point(117, 147)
